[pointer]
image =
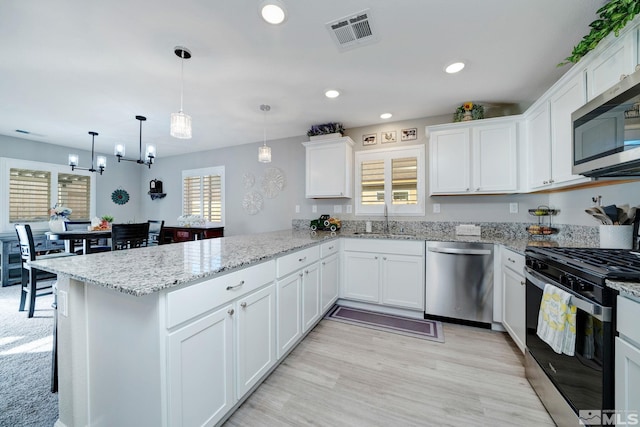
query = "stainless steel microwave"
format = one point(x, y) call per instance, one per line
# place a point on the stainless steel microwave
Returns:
point(606, 132)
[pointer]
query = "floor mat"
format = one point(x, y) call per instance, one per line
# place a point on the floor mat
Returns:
point(418, 328)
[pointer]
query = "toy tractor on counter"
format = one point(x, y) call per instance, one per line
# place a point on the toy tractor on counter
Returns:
point(325, 222)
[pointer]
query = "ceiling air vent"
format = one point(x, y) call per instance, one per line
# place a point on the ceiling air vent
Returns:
point(353, 31)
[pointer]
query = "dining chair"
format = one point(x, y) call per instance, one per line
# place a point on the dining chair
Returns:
point(97, 245)
point(129, 236)
point(156, 236)
point(30, 289)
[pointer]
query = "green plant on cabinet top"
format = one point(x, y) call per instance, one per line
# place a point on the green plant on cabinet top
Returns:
point(613, 17)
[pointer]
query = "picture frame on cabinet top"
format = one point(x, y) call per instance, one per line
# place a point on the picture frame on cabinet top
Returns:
point(370, 139)
point(409, 134)
point(388, 136)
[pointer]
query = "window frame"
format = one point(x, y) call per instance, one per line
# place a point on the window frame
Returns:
point(6, 164)
point(213, 170)
point(387, 155)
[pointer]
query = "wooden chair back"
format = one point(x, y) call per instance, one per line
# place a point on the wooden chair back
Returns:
point(155, 232)
point(128, 236)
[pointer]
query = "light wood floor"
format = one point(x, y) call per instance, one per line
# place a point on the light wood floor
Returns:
point(345, 375)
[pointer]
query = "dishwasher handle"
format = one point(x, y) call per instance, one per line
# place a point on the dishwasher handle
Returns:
point(455, 251)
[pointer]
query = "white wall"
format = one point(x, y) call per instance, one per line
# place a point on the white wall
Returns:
point(123, 175)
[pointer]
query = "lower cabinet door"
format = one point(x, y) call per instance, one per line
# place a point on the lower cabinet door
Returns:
point(361, 276)
point(627, 377)
point(310, 296)
point(403, 281)
point(289, 311)
point(513, 313)
point(328, 282)
point(200, 370)
point(256, 337)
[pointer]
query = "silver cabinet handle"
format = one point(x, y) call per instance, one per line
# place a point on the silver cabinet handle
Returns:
point(511, 260)
point(243, 305)
point(522, 282)
point(324, 263)
point(230, 288)
point(384, 258)
point(455, 251)
point(231, 311)
point(330, 247)
point(375, 257)
point(300, 274)
point(306, 272)
point(478, 189)
point(467, 189)
point(302, 259)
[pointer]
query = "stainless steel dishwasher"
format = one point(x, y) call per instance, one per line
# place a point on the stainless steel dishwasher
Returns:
point(459, 281)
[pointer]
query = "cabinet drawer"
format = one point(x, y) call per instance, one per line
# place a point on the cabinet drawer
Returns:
point(628, 318)
point(513, 260)
point(399, 247)
point(292, 262)
point(186, 303)
point(55, 244)
point(329, 248)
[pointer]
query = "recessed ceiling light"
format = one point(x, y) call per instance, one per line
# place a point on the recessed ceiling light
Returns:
point(386, 115)
point(332, 93)
point(455, 67)
point(273, 12)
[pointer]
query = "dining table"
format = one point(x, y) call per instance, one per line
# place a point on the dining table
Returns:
point(74, 236)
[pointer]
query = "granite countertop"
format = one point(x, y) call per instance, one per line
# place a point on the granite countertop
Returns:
point(144, 271)
point(631, 289)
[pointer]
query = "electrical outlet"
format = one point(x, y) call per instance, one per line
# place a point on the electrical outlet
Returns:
point(297, 208)
point(63, 303)
point(513, 208)
point(337, 208)
point(436, 208)
point(314, 208)
point(349, 209)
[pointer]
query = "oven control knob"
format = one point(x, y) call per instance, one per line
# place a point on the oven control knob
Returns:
point(567, 280)
point(584, 287)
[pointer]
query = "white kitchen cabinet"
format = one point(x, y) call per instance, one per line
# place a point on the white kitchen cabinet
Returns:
point(329, 168)
point(549, 134)
point(384, 272)
point(513, 291)
point(256, 337)
point(289, 312)
point(310, 296)
point(200, 366)
point(474, 158)
point(329, 281)
point(610, 65)
point(627, 362)
point(298, 299)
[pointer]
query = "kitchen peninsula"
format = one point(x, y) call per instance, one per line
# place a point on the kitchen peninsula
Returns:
point(176, 334)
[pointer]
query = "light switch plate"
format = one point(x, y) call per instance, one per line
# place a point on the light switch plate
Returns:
point(349, 208)
point(314, 208)
point(513, 208)
point(436, 208)
point(297, 208)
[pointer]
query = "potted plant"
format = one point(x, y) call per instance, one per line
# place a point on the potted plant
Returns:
point(326, 130)
point(105, 222)
point(468, 111)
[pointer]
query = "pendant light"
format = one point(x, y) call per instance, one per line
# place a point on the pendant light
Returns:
point(181, 122)
point(264, 152)
point(101, 161)
point(150, 151)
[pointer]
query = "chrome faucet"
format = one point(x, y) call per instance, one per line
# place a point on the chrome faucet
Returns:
point(386, 219)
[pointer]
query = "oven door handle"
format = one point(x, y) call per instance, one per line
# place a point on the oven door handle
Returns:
point(604, 314)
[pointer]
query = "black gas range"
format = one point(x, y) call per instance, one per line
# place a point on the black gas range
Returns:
point(584, 382)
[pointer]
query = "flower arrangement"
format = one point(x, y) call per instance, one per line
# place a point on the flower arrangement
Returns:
point(191, 220)
point(59, 212)
point(468, 111)
point(326, 129)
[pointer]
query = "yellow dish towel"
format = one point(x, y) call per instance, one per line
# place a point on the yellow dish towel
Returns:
point(557, 320)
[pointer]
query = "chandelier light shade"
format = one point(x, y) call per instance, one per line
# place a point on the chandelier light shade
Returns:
point(101, 161)
point(264, 152)
point(150, 151)
point(181, 122)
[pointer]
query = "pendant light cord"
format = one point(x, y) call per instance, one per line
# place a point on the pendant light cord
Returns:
point(181, 79)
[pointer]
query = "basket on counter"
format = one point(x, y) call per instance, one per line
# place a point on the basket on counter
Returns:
point(541, 230)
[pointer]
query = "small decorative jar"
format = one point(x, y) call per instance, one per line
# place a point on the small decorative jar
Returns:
point(57, 224)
